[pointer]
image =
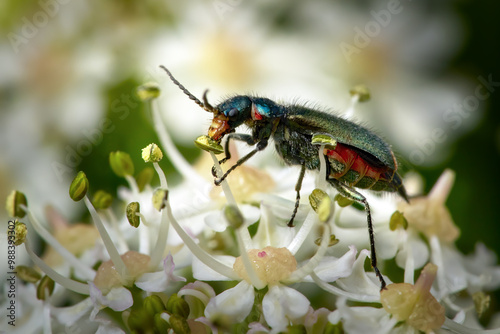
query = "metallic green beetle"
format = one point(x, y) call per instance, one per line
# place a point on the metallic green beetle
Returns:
point(359, 158)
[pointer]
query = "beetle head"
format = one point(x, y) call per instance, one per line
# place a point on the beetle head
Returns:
point(229, 115)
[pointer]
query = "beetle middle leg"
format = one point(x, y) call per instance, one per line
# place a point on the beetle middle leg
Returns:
point(352, 194)
point(236, 136)
point(298, 186)
point(260, 146)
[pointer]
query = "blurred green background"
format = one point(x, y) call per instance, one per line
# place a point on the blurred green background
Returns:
point(67, 65)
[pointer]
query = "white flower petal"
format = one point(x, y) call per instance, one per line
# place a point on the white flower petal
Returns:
point(419, 251)
point(269, 232)
point(250, 213)
point(387, 243)
point(205, 273)
point(316, 320)
point(216, 221)
point(331, 268)
point(359, 282)
point(205, 289)
point(69, 315)
point(480, 259)
point(235, 303)
point(257, 328)
point(454, 271)
point(482, 266)
point(282, 304)
point(197, 295)
point(362, 319)
point(159, 281)
point(183, 257)
point(109, 329)
point(118, 299)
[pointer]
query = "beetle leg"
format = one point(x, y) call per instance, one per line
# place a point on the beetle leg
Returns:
point(260, 146)
point(352, 194)
point(298, 186)
point(236, 136)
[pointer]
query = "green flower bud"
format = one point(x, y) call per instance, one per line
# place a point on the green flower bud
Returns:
point(145, 177)
point(343, 201)
point(161, 325)
point(362, 91)
point(208, 144)
point(159, 198)
point(177, 306)
point(153, 305)
point(148, 91)
point(20, 233)
point(79, 187)
point(45, 288)
point(121, 163)
point(233, 216)
point(102, 200)
point(14, 202)
point(398, 220)
point(28, 274)
point(132, 209)
point(179, 324)
point(138, 320)
point(330, 328)
point(327, 140)
point(152, 153)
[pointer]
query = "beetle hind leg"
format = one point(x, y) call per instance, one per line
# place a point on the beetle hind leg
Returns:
point(298, 186)
point(352, 194)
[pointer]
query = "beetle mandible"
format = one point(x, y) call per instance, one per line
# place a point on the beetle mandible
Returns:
point(360, 158)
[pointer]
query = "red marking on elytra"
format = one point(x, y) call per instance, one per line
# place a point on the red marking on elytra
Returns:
point(352, 161)
point(256, 116)
point(262, 254)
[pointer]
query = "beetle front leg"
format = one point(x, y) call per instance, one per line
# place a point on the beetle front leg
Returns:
point(236, 136)
point(352, 194)
point(298, 186)
point(260, 146)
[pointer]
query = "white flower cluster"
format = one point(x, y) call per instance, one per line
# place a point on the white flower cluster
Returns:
point(159, 275)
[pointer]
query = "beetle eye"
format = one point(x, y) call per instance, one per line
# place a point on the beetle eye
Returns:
point(233, 112)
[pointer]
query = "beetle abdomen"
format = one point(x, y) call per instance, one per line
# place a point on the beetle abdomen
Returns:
point(359, 169)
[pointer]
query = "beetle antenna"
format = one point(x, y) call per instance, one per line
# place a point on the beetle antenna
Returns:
point(205, 105)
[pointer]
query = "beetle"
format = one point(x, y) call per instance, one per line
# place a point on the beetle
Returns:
point(358, 158)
